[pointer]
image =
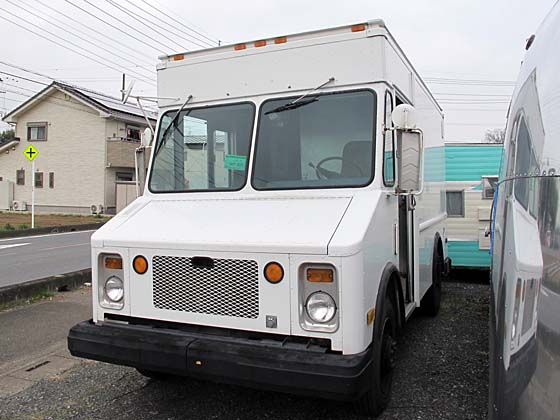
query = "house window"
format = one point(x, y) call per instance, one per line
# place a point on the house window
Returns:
point(489, 186)
point(132, 133)
point(124, 176)
point(37, 131)
point(51, 179)
point(455, 203)
point(38, 179)
point(20, 177)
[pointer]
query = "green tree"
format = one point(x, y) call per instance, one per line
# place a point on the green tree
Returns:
point(7, 135)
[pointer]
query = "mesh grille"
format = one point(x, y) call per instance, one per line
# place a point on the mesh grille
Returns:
point(229, 288)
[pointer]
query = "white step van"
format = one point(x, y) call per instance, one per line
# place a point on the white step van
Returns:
point(293, 218)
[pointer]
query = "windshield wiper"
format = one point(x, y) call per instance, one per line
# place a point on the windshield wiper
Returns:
point(296, 103)
point(164, 135)
point(291, 105)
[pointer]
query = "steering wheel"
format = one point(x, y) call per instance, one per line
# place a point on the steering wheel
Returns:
point(323, 173)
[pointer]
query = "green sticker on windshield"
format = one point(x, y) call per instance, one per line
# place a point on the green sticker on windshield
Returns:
point(235, 162)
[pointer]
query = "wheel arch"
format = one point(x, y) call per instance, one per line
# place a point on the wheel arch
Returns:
point(390, 285)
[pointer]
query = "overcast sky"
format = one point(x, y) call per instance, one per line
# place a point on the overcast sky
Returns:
point(469, 52)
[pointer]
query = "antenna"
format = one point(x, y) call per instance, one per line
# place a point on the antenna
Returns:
point(127, 92)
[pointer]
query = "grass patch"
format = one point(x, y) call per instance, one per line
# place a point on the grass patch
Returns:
point(8, 226)
point(33, 299)
point(10, 221)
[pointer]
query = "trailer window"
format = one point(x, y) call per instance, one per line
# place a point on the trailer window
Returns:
point(326, 142)
point(207, 149)
point(455, 203)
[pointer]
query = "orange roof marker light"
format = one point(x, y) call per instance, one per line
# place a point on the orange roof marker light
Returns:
point(281, 40)
point(359, 28)
point(240, 47)
point(261, 43)
point(178, 57)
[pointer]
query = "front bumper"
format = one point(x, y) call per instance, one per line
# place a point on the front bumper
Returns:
point(263, 363)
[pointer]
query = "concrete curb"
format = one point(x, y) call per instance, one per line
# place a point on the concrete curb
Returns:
point(32, 288)
point(51, 229)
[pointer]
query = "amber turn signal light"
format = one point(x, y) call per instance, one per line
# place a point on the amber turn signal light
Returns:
point(359, 28)
point(140, 264)
point(113, 263)
point(273, 272)
point(320, 275)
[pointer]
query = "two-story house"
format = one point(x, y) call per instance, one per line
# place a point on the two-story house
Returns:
point(86, 143)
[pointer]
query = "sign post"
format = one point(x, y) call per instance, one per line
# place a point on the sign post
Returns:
point(31, 153)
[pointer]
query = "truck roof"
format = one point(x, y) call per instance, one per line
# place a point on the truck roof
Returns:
point(261, 42)
point(248, 62)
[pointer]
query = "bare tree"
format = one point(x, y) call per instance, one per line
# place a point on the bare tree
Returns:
point(495, 135)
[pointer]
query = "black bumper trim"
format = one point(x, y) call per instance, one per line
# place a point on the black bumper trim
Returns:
point(224, 359)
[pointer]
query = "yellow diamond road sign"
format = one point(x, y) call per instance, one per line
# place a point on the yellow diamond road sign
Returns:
point(30, 152)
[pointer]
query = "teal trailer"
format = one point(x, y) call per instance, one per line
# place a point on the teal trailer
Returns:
point(471, 175)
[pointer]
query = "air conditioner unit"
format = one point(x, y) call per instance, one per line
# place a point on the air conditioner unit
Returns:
point(19, 205)
point(96, 209)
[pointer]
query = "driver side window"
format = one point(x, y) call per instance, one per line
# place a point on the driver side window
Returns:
point(388, 144)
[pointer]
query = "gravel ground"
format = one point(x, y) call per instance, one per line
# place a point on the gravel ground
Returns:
point(442, 373)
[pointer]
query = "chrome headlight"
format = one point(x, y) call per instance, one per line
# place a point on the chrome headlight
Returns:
point(320, 307)
point(114, 289)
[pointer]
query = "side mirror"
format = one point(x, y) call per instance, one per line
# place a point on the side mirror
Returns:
point(404, 117)
point(409, 150)
point(146, 137)
point(409, 160)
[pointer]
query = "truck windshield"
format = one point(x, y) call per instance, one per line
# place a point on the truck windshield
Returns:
point(325, 143)
point(205, 149)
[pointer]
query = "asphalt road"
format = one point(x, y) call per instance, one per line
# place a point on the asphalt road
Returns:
point(442, 373)
point(36, 257)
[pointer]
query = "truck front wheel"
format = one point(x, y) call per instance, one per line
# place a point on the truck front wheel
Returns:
point(376, 399)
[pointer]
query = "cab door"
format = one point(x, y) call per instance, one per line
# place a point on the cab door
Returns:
point(403, 206)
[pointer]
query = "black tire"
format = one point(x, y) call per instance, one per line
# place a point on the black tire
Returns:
point(376, 399)
point(152, 374)
point(431, 301)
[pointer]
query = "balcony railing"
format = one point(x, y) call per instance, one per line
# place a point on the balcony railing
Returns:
point(120, 152)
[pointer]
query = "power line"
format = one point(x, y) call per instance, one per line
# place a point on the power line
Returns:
point(470, 94)
point(71, 49)
point(83, 25)
point(214, 41)
point(140, 20)
point(20, 87)
point(71, 33)
point(104, 95)
point(501, 124)
point(129, 26)
point(470, 82)
point(160, 50)
point(186, 36)
point(448, 108)
point(21, 77)
point(473, 101)
point(54, 100)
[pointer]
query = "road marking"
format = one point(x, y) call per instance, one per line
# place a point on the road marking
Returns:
point(49, 234)
point(62, 246)
point(12, 245)
point(46, 249)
